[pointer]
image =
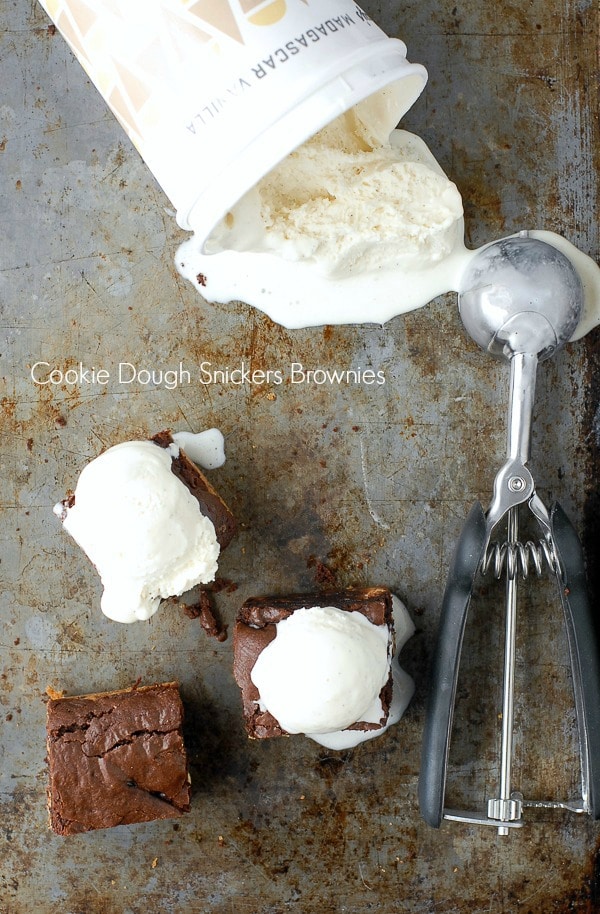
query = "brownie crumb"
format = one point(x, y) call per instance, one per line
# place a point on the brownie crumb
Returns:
point(223, 584)
point(201, 279)
point(203, 611)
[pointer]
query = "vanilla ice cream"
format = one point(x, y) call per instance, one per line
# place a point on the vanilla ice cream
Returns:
point(358, 224)
point(352, 202)
point(325, 669)
point(206, 449)
point(142, 529)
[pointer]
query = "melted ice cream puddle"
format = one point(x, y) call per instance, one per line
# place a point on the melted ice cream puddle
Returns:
point(206, 449)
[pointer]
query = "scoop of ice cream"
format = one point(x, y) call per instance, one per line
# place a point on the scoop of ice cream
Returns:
point(325, 670)
point(142, 529)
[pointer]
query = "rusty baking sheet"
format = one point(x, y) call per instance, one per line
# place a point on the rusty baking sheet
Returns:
point(371, 482)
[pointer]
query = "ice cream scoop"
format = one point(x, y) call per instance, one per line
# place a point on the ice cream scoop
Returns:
point(142, 529)
point(521, 300)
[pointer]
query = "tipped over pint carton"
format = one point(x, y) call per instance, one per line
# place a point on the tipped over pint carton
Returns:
point(214, 93)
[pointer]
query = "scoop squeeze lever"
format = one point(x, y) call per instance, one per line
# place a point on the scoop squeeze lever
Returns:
point(521, 299)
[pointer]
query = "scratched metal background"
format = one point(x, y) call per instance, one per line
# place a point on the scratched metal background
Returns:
point(372, 481)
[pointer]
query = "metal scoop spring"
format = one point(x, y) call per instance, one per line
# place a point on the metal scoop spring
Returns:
point(518, 558)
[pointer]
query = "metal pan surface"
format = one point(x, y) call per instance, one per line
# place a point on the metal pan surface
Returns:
point(367, 484)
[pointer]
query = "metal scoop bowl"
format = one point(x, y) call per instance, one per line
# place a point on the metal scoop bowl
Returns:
point(520, 295)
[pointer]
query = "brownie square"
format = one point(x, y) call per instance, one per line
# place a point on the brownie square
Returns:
point(116, 758)
point(211, 503)
point(255, 628)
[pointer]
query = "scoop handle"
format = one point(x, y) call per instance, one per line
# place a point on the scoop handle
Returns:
point(582, 634)
point(444, 672)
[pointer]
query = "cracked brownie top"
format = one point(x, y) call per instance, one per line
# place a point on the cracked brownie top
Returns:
point(116, 758)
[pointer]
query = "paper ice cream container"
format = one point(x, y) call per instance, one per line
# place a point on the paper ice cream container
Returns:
point(214, 93)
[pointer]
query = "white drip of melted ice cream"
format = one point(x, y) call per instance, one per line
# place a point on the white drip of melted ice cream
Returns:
point(325, 670)
point(206, 449)
point(142, 529)
point(356, 226)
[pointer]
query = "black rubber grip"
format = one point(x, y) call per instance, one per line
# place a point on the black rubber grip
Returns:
point(582, 634)
point(446, 660)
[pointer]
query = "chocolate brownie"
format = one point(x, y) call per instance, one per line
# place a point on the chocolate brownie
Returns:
point(116, 758)
point(255, 628)
point(211, 503)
